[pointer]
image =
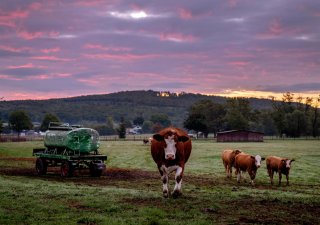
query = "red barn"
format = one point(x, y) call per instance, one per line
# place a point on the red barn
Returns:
point(239, 135)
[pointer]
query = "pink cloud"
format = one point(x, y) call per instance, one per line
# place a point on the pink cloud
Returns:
point(29, 65)
point(63, 75)
point(107, 48)
point(52, 58)
point(239, 63)
point(51, 50)
point(232, 3)
point(9, 18)
point(121, 57)
point(29, 35)
point(276, 29)
point(39, 77)
point(185, 14)
point(13, 49)
point(177, 37)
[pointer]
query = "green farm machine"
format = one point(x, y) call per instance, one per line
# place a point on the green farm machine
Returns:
point(70, 148)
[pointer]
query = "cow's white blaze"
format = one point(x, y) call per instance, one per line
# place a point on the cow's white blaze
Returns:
point(258, 160)
point(170, 149)
point(288, 163)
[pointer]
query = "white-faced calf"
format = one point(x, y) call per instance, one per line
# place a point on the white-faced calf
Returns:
point(278, 165)
point(247, 163)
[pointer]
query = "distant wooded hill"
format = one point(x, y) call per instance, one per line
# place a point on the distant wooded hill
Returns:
point(126, 104)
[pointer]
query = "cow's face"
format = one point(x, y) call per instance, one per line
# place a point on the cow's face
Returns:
point(170, 144)
point(287, 163)
point(170, 148)
point(258, 160)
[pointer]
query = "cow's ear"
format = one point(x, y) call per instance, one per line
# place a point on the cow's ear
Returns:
point(237, 151)
point(293, 160)
point(183, 138)
point(263, 158)
point(252, 157)
point(158, 137)
point(283, 161)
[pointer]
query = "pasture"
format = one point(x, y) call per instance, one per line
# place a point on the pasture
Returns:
point(130, 191)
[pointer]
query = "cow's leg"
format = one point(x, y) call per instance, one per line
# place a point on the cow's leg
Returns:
point(238, 175)
point(230, 171)
point(252, 175)
point(165, 181)
point(280, 176)
point(178, 177)
point(287, 176)
point(271, 172)
point(226, 168)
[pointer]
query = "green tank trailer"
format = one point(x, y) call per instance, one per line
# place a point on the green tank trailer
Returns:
point(71, 148)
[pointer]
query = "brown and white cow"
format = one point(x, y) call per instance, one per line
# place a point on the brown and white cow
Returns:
point(278, 165)
point(247, 163)
point(228, 156)
point(170, 149)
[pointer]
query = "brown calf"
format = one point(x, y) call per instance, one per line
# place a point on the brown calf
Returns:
point(228, 157)
point(278, 165)
point(247, 163)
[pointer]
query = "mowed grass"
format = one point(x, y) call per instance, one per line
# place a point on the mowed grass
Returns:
point(131, 191)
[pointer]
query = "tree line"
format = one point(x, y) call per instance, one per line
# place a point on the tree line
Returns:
point(292, 117)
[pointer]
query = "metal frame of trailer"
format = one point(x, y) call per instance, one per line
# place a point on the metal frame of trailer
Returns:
point(68, 163)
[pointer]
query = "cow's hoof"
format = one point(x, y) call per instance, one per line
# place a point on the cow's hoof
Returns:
point(176, 194)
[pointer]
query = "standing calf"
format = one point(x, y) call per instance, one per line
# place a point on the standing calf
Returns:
point(228, 157)
point(247, 163)
point(278, 165)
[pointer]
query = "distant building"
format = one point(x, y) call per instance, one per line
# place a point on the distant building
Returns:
point(134, 130)
point(239, 136)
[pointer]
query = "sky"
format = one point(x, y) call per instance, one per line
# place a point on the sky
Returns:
point(248, 48)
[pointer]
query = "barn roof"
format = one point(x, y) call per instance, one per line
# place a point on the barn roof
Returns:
point(234, 131)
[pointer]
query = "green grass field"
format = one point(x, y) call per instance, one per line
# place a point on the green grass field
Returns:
point(130, 192)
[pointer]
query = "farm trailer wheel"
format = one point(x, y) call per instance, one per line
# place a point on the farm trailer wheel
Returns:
point(97, 168)
point(41, 166)
point(66, 169)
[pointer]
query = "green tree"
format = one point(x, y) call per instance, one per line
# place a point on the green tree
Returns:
point(162, 119)
point(207, 112)
point(46, 121)
point(19, 120)
point(147, 126)
point(196, 122)
point(122, 129)
point(315, 119)
point(138, 120)
point(238, 114)
point(1, 127)
point(156, 127)
point(297, 119)
point(295, 123)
